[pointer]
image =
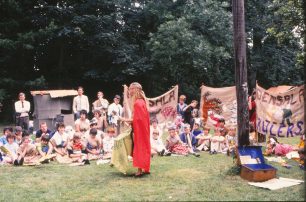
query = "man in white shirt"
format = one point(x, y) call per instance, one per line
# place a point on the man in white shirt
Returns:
point(80, 102)
point(114, 111)
point(22, 109)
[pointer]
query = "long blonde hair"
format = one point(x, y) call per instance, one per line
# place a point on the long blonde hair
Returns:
point(139, 94)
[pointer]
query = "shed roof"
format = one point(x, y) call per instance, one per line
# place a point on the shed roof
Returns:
point(55, 93)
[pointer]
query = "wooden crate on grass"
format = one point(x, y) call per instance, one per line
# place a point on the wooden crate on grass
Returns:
point(253, 166)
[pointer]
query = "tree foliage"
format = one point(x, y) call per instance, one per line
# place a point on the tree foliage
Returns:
point(102, 44)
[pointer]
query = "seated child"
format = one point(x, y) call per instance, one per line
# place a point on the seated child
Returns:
point(187, 138)
point(231, 141)
point(108, 143)
point(6, 131)
point(157, 145)
point(59, 143)
point(217, 143)
point(11, 149)
point(18, 138)
point(44, 148)
point(221, 127)
point(93, 144)
point(179, 123)
point(154, 127)
point(76, 149)
point(204, 140)
point(196, 129)
point(174, 143)
point(27, 153)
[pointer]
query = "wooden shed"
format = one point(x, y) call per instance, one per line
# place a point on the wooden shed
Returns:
point(53, 106)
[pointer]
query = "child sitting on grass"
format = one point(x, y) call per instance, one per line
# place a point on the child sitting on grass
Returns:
point(59, 143)
point(174, 143)
point(11, 148)
point(44, 148)
point(93, 144)
point(76, 149)
point(204, 140)
point(231, 141)
point(6, 131)
point(27, 153)
point(108, 143)
point(157, 145)
point(217, 143)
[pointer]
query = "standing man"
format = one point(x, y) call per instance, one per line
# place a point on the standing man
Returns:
point(100, 104)
point(22, 109)
point(80, 102)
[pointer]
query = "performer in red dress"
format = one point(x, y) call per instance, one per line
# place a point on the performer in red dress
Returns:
point(141, 128)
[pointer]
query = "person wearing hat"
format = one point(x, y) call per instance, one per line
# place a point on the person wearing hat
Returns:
point(114, 111)
point(22, 109)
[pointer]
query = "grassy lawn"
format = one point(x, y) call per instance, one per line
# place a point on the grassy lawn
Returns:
point(172, 179)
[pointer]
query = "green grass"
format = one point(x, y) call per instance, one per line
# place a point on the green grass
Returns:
point(172, 179)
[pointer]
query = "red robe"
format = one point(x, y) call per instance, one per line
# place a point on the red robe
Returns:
point(141, 129)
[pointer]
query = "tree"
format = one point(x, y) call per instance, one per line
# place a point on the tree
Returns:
point(194, 48)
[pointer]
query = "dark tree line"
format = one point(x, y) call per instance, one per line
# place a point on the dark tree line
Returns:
point(102, 44)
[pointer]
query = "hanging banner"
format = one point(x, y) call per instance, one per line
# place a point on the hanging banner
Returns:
point(219, 103)
point(162, 108)
point(280, 111)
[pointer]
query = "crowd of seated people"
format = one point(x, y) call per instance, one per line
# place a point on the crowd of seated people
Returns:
point(94, 139)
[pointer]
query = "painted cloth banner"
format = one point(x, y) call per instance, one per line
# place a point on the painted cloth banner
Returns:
point(280, 113)
point(219, 103)
point(162, 108)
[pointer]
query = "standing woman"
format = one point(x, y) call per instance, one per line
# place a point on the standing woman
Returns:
point(141, 128)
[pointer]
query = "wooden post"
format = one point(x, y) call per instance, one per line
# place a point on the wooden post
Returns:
point(241, 73)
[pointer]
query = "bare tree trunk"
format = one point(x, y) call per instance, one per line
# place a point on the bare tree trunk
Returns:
point(241, 73)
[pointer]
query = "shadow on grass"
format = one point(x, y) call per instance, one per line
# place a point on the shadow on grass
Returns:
point(234, 170)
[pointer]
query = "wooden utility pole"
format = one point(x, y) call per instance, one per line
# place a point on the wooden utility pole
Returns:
point(241, 73)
